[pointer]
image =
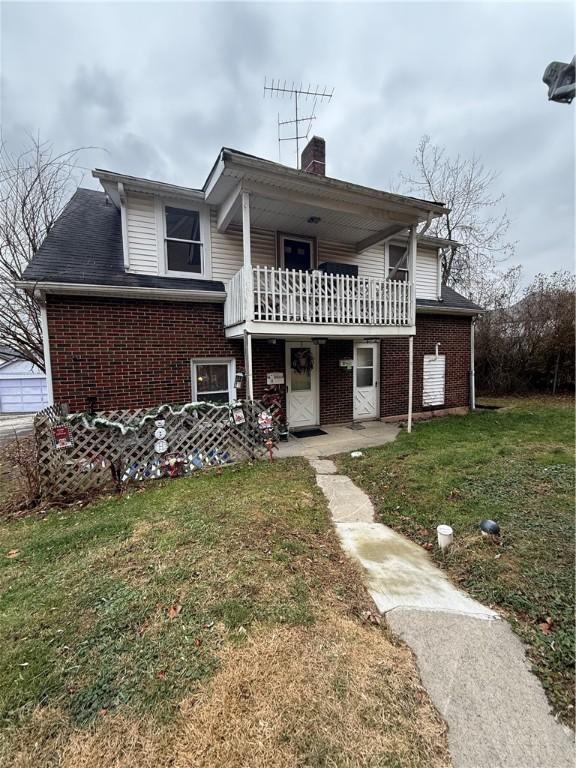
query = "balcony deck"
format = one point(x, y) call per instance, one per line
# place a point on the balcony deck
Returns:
point(284, 302)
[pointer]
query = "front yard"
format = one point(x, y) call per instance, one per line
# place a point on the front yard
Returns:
point(208, 621)
point(515, 466)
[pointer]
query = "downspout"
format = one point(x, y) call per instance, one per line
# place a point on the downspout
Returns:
point(248, 365)
point(410, 377)
point(472, 366)
point(46, 349)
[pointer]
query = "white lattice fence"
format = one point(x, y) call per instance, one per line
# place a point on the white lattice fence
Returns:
point(100, 454)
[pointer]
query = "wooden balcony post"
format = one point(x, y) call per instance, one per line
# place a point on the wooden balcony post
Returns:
point(412, 273)
point(247, 251)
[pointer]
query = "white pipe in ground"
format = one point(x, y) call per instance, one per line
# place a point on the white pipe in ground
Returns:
point(445, 536)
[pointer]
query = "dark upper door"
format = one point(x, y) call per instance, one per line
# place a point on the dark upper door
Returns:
point(297, 254)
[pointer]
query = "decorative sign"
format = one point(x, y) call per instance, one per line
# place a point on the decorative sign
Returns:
point(276, 377)
point(62, 438)
point(348, 363)
point(265, 421)
point(160, 433)
point(238, 416)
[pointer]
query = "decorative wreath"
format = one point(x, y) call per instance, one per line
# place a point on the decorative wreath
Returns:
point(302, 360)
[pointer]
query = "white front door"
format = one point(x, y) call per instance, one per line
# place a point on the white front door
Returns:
point(366, 405)
point(301, 383)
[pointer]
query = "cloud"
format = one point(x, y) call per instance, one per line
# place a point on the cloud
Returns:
point(162, 86)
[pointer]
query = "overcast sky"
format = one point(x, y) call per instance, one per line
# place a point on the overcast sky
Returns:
point(160, 87)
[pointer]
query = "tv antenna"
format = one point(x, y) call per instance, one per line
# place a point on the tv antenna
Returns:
point(277, 88)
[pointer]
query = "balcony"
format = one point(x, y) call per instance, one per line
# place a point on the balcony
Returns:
point(284, 302)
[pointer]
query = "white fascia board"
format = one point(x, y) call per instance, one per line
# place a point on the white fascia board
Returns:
point(133, 292)
point(282, 330)
point(135, 184)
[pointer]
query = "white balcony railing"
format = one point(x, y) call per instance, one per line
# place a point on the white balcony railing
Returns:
point(266, 294)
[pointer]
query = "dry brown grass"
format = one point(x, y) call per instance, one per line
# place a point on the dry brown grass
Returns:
point(338, 693)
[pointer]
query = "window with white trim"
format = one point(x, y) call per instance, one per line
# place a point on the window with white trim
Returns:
point(397, 263)
point(183, 240)
point(213, 380)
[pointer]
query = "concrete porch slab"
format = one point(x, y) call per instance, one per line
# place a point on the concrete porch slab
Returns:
point(339, 438)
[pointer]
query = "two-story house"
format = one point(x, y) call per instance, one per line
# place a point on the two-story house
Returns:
point(158, 293)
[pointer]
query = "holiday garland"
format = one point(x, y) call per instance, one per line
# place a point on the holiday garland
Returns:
point(91, 421)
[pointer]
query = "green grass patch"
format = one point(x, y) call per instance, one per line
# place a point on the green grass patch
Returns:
point(123, 605)
point(515, 466)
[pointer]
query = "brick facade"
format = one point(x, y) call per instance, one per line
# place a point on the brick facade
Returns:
point(127, 353)
point(453, 335)
point(336, 384)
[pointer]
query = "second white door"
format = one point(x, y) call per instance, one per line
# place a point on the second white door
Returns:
point(366, 391)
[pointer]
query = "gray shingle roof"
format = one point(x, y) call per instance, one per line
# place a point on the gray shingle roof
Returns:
point(451, 299)
point(85, 247)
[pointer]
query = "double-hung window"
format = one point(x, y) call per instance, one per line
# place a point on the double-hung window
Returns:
point(213, 380)
point(184, 247)
point(397, 262)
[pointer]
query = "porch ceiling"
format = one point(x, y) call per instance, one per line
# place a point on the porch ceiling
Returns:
point(293, 217)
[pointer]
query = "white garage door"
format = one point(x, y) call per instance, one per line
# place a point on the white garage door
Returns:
point(23, 388)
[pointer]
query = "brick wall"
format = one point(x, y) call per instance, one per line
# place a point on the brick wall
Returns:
point(131, 353)
point(336, 384)
point(453, 334)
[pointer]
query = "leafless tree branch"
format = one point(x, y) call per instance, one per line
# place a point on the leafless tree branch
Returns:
point(475, 220)
point(35, 185)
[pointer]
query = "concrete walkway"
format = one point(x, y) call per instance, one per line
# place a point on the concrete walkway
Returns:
point(15, 424)
point(471, 663)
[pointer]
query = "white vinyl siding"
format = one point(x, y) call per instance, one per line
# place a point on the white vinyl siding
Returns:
point(426, 275)
point(146, 250)
point(370, 262)
point(227, 254)
point(434, 380)
point(142, 235)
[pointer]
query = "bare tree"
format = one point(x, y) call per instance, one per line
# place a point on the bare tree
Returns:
point(35, 185)
point(530, 344)
point(475, 220)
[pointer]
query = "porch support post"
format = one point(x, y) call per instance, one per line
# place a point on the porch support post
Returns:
point(410, 377)
point(247, 251)
point(412, 271)
point(248, 365)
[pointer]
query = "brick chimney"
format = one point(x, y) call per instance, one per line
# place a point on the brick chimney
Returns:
point(313, 158)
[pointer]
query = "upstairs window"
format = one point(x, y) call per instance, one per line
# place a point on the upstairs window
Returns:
point(397, 263)
point(183, 240)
